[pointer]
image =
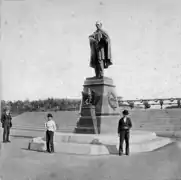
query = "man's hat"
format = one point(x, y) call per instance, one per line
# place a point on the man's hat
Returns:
point(49, 115)
point(125, 112)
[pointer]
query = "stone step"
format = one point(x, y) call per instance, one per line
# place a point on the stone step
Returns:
point(31, 128)
point(159, 129)
point(137, 127)
point(169, 134)
point(91, 149)
point(135, 136)
point(156, 127)
point(157, 121)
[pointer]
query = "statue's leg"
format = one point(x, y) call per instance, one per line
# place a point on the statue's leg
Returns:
point(101, 68)
point(96, 71)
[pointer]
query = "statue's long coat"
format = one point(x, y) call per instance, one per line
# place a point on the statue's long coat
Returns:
point(100, 48)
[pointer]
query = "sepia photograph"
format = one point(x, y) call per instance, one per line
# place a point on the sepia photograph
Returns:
point(90, 90)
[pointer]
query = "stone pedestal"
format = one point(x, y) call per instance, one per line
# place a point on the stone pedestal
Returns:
point(106, 109)
point(87, 123)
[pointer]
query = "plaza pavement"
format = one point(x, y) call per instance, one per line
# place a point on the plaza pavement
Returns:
point(18, 163)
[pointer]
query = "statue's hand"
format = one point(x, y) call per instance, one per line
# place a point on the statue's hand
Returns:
point(91, 36)
point(92, 39)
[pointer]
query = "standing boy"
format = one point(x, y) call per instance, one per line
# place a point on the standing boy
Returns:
point(124, 127)
point(50, 129)
point(6, 125)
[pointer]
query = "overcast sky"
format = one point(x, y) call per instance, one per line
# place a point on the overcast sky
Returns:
point(46, 51)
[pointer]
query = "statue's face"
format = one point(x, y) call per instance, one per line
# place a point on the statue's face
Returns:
point(98, 25)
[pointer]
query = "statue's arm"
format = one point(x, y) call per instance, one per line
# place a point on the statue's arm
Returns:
point(105, 35)
point(2, 118)
point(92, 39)
point(92, 36)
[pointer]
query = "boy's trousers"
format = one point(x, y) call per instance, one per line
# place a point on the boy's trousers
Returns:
point(49, 141)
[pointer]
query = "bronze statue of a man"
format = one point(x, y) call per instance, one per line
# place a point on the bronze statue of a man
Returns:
point(100, 51)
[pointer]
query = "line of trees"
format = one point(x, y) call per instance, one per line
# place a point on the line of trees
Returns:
point(146, 104)
point(132, 105)
point(50, 104)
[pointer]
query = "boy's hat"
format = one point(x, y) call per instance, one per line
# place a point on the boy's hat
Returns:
point(49, 115)
point(125, 112)
point(7, 108)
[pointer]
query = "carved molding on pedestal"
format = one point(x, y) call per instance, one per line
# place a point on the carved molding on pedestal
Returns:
point(90, 97)
point(112, 100)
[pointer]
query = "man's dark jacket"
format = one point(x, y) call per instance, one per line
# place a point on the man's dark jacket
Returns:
point(124, 125)
point(6, 120)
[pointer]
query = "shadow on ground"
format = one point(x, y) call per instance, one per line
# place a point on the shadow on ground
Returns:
point(22, 136)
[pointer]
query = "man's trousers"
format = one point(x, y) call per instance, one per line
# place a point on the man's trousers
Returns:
point(6, 133)
point(124, 136)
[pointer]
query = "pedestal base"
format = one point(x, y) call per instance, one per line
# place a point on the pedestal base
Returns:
point(88, 123)
point(100, 144)
point(106, 108)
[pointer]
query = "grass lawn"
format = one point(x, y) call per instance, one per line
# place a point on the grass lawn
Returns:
point(152, 120)
point(62, 118)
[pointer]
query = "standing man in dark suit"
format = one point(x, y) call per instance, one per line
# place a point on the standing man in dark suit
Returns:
point(124, 127)
point(6, 124)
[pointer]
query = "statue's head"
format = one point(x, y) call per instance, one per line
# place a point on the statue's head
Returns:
point(98, 24)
